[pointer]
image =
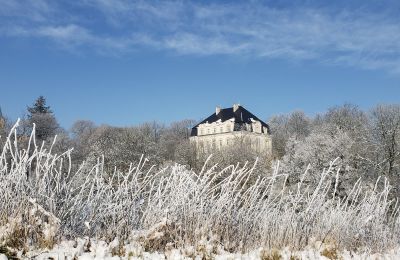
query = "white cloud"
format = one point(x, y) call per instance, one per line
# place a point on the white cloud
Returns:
point(33, 10)
point(69, 33)
point(358, 38)
point(72, 36)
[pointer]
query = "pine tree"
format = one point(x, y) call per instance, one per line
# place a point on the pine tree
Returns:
point(39, 107)
point(41, 115)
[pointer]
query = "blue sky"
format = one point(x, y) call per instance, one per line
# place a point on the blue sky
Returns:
point(126, 62)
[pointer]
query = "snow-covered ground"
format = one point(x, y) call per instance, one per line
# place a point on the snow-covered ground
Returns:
point(90, 249)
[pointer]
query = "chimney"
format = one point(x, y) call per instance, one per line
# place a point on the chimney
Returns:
point(217, 110)
point(235, 107)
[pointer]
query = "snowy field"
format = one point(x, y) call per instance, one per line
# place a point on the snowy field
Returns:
point(48, 210)
point(87, 249)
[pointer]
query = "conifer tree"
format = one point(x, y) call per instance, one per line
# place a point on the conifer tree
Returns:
point(39, 107)
point(44, 119)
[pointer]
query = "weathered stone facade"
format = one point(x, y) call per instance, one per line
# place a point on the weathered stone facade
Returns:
point(230, 125)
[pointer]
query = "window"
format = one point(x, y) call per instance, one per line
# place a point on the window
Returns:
point(220, 143)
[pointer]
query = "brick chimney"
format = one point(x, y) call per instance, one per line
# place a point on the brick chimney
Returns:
point(235, 107)
point(217, 110)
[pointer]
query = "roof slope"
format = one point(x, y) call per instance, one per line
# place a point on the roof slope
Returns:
point(241, 116)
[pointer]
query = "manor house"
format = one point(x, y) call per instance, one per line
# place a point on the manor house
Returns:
point(229, 125)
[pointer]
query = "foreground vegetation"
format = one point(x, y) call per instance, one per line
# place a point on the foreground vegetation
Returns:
point(43, 200)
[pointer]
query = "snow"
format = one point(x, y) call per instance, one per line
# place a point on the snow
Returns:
point(79, 249)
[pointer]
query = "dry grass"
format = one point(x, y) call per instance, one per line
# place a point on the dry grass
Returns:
point(271, 255)
point(9, 253)
point(331, 253)
point(233, 209)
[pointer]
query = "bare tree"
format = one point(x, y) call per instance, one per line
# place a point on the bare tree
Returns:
point(295, 124)
point(81, 132)
point(316, 152)
point(280, 134)
point(386, 132)
point(298, 124)
point(348, 118)
point(82, 128)
point(175, 137)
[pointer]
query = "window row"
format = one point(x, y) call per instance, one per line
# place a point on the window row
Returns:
point(215, 130)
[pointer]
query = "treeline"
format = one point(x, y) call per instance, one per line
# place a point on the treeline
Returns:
point(364, 143)
point(117, 146)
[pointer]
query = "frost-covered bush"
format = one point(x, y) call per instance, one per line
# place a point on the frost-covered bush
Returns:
point(176, 207)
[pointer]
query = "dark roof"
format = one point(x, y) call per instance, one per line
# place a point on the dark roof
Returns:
point(241, 116)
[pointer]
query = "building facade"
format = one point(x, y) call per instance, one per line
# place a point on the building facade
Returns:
point(229, 125)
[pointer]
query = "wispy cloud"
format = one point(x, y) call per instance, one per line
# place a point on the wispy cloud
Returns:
point(357, 37)
point(33, 10)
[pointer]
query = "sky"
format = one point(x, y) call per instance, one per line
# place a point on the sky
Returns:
point(122, 63)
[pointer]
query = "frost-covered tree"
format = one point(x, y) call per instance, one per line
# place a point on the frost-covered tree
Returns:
point(316, 152)
point(385, 127)
point(174, 137)
point(295, 124)
point(185, 154)
point(298, 124)
point(352, 121)
point(348, 118)
point(81, 129)
point(120, 146)
point(239, 152)
point(280, 134)
point(81, 132)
